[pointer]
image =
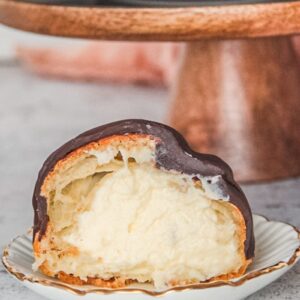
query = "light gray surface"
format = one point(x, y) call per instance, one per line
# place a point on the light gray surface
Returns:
point(37, 116)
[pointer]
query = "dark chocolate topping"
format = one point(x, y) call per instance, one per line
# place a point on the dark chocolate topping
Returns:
point(172, 153)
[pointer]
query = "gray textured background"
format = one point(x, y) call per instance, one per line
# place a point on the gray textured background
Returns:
point(37, 116)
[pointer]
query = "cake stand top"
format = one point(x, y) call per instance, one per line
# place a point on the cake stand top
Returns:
point(164, 20)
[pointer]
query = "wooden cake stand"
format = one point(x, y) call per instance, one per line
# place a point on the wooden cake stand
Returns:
point(238, 88)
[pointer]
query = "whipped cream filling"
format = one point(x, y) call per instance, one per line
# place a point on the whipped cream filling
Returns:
point(150, 225)
point(117, 215)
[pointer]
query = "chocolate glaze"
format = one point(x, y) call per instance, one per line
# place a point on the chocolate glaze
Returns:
point(172, 153)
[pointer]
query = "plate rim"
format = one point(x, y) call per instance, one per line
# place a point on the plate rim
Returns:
point(204, 285)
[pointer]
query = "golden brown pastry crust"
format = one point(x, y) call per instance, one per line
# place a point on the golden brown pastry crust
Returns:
point(115, 283)
point(68, 161)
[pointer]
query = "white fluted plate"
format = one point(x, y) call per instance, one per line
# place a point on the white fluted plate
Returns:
point(277, 250)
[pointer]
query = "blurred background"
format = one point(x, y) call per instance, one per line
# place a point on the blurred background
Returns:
point(52, 89)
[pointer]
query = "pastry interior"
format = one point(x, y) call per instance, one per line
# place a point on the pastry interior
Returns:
point(114, 215)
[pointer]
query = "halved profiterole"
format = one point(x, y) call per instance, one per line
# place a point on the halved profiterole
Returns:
point(131, 202)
